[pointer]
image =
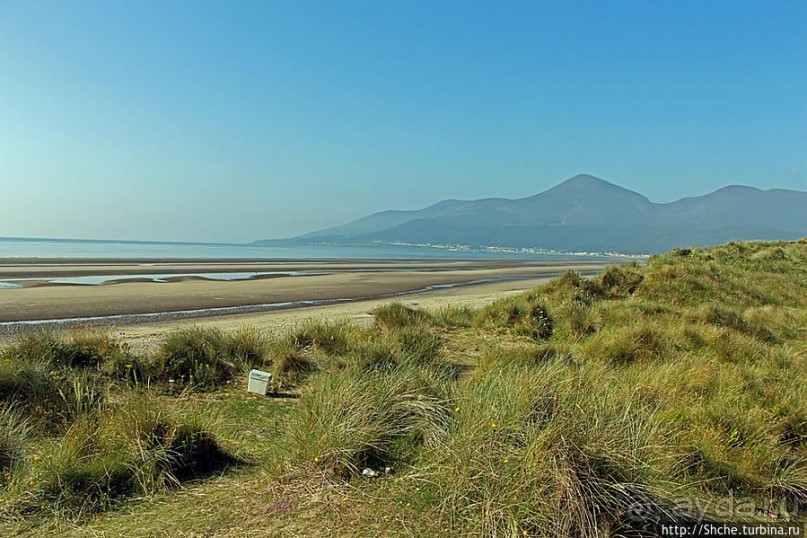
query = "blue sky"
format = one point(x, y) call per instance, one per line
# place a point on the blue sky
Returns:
point(235, 121)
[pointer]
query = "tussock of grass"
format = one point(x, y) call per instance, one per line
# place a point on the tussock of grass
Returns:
point(397, 315)
point(132, 369)
point(376, 355)
point(526, 356)
point(534, 450)
point(581, 320)
point(207, 358)
point(350, 420)
point(139, 448)
point(83, 348)
point(293, 366)
point(28, 384)
point(452, 316)
point(621, 281)
point(642, 343)
point(525, 315)
point(15, 434)
point(573, 286)
point(420, 343)
point(412, 346)
point(47, 397)
point(329, 337)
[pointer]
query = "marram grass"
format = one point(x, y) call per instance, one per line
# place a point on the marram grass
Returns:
point(563, 411)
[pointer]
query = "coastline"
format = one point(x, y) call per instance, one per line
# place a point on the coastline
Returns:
point(333, 286)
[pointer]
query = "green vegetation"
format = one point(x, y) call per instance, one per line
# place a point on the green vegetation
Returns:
point(557, 412)
point(82, 430)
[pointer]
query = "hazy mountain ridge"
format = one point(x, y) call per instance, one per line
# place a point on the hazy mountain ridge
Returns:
point(585, 213)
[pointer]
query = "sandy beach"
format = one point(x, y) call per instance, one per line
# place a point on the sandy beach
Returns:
point(280, 293)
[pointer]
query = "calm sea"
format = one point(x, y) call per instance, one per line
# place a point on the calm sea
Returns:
point(68, 248)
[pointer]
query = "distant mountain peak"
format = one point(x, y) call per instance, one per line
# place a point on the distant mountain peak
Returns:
point(587, 187)
point(737, 189)
point(583, 182)
point(584, 179)
point(586, 213)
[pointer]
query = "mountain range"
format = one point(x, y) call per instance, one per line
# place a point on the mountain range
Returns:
point(584, 214)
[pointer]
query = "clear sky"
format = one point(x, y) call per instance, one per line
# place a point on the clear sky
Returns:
point(236, 121)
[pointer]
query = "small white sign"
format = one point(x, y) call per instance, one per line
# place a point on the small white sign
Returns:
point(259, 382)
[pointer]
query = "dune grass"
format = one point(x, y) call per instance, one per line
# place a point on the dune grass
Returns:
point(137, 448)
point(596, 397)
point(580, 408)
point(205, 358)
point(80, 431)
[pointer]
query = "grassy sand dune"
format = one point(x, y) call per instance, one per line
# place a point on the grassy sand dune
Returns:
point(583, 407)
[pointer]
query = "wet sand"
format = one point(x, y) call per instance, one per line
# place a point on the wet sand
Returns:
point(343, 281)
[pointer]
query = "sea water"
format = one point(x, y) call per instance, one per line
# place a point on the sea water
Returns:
point(89, 249)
